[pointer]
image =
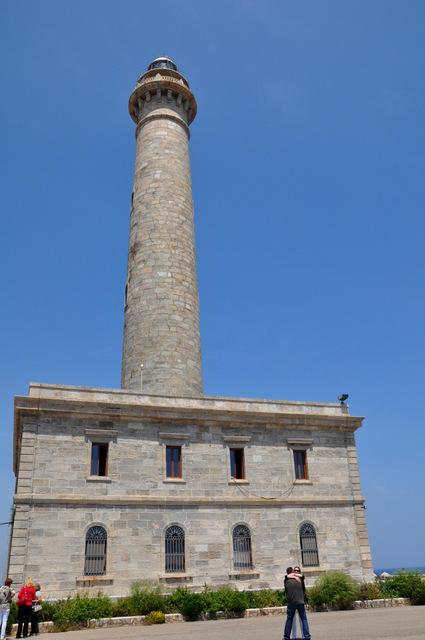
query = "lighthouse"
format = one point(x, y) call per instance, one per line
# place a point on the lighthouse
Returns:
point(156, 479)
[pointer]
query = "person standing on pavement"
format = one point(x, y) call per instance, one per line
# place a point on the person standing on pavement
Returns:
point(295, 594)
point(36, 607)
point(24, 602)
point(6, 595)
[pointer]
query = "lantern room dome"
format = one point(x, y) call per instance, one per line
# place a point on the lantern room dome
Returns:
point(162, 63)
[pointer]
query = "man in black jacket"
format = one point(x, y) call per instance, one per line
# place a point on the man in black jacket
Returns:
point(294, 591)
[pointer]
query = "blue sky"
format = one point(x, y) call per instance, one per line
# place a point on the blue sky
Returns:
point(308, 180)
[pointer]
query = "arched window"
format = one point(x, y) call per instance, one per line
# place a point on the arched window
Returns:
point(95, 556)
point(242, 552)
point(174, 550)
point(308, 542)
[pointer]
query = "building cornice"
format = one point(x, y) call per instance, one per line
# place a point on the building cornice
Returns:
point(59, 500)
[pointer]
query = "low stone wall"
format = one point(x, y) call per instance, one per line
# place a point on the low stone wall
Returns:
point(46, 627)
point(380, 604)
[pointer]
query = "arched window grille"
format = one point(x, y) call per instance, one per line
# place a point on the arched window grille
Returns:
point(174, 550)
point(308, 542)
point(95, 555)
point(242, 551)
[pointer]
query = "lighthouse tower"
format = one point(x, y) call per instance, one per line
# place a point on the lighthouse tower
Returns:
point(162, 344)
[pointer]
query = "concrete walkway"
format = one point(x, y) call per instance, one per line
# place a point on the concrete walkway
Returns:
point(406, 623)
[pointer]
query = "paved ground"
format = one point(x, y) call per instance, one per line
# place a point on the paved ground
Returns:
point(366, 624)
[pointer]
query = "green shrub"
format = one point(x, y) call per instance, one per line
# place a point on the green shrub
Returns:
point(261, 599)
point(235, 602)
point(146, 597)
point(121, 607)
point(316, 598)
point(282, 597)
point(46, 612)
point(368, 591)
point(336, 590)
point(60, 626)
point(227, 600)
point(404, 584)
point(99, 607)
point(212, 600)
point(255, 600)
point(80, 609)
point(156, 617)
point(418, 597)
point(191, 605)
point(174, 600)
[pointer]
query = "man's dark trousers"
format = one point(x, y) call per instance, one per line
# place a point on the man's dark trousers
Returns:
point(291, 609)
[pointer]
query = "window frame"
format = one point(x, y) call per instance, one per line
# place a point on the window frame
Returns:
point(175, 561)
point(307, 531)
point(100, 437)
point(300, 464)
point(247, 551)
point(298, 448)
point(173, 440)
point(170, 471)
point(232, 444)
point(101, 461)
point(99, 537)
point(237, 465)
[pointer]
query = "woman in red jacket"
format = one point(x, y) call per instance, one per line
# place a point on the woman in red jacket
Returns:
point(25, 598)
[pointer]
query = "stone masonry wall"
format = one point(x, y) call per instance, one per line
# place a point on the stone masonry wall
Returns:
point(136, 545)
point(161, 326)
point(136, 464)
point(58, 500)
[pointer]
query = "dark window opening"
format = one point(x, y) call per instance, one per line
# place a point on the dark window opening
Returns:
point(99, 459)
point(237, 467)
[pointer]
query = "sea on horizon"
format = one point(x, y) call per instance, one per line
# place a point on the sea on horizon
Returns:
point(378, 572)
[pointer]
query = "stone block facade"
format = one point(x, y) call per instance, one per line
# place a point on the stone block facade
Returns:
point(162, 340)
point(58, 499)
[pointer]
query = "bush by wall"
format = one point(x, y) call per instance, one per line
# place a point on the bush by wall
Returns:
point(335, 590)
point(404, 584)
point(144, 598)
point(368, 591)
point(156, 617)
point(265, 598)
point(188, 603)
point(80, 609)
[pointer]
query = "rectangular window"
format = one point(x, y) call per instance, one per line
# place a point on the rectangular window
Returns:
point(99, 459)
point(237, 468)
point(300, 462)
point(174, 462)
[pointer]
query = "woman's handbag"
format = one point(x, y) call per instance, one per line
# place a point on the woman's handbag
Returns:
point(22, 599)
point(36, 607)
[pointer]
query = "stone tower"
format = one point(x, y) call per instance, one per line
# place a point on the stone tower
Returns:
point(162, 344)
